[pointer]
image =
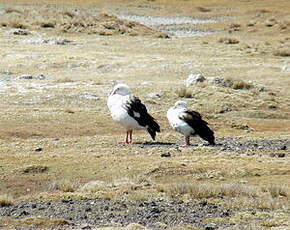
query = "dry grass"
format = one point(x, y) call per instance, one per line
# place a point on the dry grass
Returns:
point(85, 22)
point(65, 80)
point(282, 53)
point(64, 185)
point(184, 92)
point(34, 169)
point(203, 9)
point(199, 191)
point(12, 10)
point(43, 222)
point(229, 41)
point(5, 200)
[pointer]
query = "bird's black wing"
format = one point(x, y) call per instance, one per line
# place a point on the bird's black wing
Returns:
point(195, 121)
point(137, 110)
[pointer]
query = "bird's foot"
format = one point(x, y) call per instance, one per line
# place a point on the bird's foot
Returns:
point(123, 142)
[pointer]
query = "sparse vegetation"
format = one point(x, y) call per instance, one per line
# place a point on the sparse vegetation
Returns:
point(184, 92)
point(64, 185)
point(43, 222)
point(282, 53)
point(5, 200)
point(64, 80)
point(212, 191)
point(34, 169)
point(229, 41)
point(203, 9)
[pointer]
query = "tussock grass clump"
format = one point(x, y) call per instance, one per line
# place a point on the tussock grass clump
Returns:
point(12, 10)
point(84, 22)
point(17, 25)
point(5, 200)
point(203, 9)
point(277, 191)
point(34, 169)
point(232, 83)
point(212, 191)
point(64, 185)
point(239, 84)
point(229, 41)
point(282, 53)
point(69, 14)
point(64, 80)
point(184, 92)
point(69, 111)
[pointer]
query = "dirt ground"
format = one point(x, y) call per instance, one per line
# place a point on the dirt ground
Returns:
point(59, 151)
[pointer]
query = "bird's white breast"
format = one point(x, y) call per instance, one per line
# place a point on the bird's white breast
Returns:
point(116, 104)
point(177, 124)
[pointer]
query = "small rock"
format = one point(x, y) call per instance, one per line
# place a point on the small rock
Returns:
point(194, 79)
point(26, 76)
point(38, 149)
point(18, 32)
point(40, 77)
point(285, 68)
point(281, 155)
point(90, 96)
point(154, 95)
point(284, 147)
point(210, 226)
point(165, 154)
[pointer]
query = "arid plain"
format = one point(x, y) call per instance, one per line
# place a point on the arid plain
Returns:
point(59, 146)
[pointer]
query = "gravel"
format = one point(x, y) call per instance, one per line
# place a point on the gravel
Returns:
point(104, 212)
point(230, 144)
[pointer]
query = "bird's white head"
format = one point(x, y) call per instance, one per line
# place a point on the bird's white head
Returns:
point(121, 89)
point(180, 105)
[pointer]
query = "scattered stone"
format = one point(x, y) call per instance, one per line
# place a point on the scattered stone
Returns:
point(38, 149)
point(141, 214)
point(40, 77)
point(210, 226)
point(146, 83)
point(165, 154)
point(26, 76)
point(49, 41)
point(229, 41)
point(194, 79)
point(285, 68)
point(279, 155)
point(154, 95)
point(284, 147)
point(90, 96)
point(30, 77)
point(19, 32)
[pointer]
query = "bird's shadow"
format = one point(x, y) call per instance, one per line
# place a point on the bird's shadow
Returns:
point(152, 144)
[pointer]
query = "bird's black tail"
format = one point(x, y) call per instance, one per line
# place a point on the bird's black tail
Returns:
point(206, 133)
point(152, 126)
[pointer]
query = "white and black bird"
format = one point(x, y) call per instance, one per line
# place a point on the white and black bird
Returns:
point(189, 123)
point(128, 111)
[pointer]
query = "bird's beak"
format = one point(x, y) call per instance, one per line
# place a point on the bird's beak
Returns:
point(112, 92)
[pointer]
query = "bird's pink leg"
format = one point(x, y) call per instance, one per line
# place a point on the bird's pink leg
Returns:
point(130, 137)
point(126, 141)
point(187, 142)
